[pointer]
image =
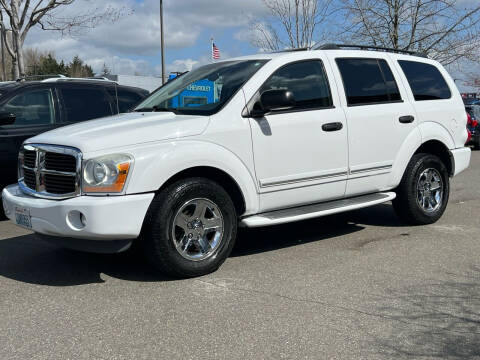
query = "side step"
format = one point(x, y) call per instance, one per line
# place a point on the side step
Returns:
point(316, 210)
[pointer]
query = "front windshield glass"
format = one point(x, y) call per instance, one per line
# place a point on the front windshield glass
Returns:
point(202, 91)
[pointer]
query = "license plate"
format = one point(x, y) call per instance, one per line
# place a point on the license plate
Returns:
point(22, 217)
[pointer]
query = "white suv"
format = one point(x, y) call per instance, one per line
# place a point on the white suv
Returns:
point(253, 141)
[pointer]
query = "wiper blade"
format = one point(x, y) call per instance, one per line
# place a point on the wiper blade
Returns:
point(156, 109)
point(160, 109)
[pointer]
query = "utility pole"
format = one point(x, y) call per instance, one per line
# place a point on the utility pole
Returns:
point(162, 42)
point(2, 35)
point(4, 70)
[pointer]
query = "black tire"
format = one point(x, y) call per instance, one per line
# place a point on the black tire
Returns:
point(2, 213)
point(476, 141)
point(407, 204)
point(157, 239)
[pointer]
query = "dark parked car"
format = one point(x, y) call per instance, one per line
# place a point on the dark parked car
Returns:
point(32, 107)
point(473, 125)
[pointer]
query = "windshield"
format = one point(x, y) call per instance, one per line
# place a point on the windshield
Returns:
point(202, 91)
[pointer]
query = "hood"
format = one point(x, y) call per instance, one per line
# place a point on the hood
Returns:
point(124, 129)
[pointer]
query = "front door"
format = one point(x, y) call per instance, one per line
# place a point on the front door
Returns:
point(34, 110)
point(301, 154)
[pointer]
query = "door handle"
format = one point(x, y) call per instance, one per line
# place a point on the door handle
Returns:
point(335, 126)
point(406, 119)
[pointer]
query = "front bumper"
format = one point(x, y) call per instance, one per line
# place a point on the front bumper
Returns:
point(461, 159)
point(105, 217)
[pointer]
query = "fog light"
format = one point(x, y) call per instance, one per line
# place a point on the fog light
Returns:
point(83, 219)
point(76, 220)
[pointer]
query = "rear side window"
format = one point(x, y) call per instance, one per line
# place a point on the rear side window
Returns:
point(85, 104)
point(126, 99)
point(426, 82)
point(306, 80)
point(368, 81)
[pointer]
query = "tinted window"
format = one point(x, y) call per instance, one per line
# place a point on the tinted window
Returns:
point(126, 99)
point(368, 81)
point(85, 104)
point(31, 108)
point(425, 81)
point(306, 80)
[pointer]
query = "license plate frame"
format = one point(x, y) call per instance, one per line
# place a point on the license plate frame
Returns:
point(23, 217)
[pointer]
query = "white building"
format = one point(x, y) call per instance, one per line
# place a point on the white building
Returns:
point(149, 83)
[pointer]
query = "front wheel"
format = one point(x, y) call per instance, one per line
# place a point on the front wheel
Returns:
point(423, 193)
point(190, 228)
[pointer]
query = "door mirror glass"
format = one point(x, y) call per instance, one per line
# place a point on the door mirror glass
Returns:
point(273, 100)
point(7, 118)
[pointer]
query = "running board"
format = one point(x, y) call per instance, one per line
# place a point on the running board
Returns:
point(316, 210)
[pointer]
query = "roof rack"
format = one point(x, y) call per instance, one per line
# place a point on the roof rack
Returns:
point(91, 79)
point(290, 50)
point(36, 77)
point(368, 47)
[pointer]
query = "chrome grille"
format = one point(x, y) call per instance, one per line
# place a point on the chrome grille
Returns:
point(30, 158)
point(50, 171)
point(60, 162)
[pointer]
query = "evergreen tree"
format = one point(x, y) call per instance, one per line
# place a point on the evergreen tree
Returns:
point(78, 69)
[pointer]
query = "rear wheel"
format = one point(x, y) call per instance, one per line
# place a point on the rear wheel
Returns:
point(423, 193)
point(190, 228)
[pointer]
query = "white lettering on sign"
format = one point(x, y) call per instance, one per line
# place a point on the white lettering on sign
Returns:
point(198, 88)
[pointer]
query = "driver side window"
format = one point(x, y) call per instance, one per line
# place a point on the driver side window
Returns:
point(31, 108)
point(307, 81)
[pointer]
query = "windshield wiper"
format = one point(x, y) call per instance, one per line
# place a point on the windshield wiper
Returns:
point(155, 109)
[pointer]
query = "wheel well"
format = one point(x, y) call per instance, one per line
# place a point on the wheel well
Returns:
point(216, 175)
point(437, 148)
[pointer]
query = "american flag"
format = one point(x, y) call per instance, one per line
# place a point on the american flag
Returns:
point(215, 52)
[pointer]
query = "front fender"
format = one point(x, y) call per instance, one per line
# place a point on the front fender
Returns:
point(157, 163)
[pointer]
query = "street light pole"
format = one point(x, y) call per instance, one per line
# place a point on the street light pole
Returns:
point(162, 42)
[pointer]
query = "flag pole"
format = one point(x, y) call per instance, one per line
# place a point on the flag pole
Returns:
point(211, 50)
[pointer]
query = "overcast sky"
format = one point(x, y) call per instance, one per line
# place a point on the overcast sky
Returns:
point(132, 44)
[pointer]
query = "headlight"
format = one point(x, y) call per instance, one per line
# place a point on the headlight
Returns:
point(106, 174)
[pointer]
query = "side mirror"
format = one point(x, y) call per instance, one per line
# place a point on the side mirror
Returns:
point(273, 100)
point(7, 118)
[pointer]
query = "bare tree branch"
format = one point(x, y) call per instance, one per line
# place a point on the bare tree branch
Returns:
point(47, 14)
point(291, 24)
point(448, 30)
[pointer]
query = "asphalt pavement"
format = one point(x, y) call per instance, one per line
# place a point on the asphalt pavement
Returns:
point(358, 285)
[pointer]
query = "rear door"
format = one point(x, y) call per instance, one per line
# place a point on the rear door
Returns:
point(36, 111)
point(81, 102)
point(379, 118)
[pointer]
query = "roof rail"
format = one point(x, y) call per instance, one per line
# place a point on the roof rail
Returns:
point(368, 47)
point(291, 50)
point(90, 79)
point(32, 77)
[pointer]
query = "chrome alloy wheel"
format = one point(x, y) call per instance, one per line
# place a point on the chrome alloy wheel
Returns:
point(430, 190)
point(197, 229)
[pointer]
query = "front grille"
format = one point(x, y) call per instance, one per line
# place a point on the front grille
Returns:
point(30, 157)
point(29, 178)
point(60, 162)
point(50, 171)
point(58, 184)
